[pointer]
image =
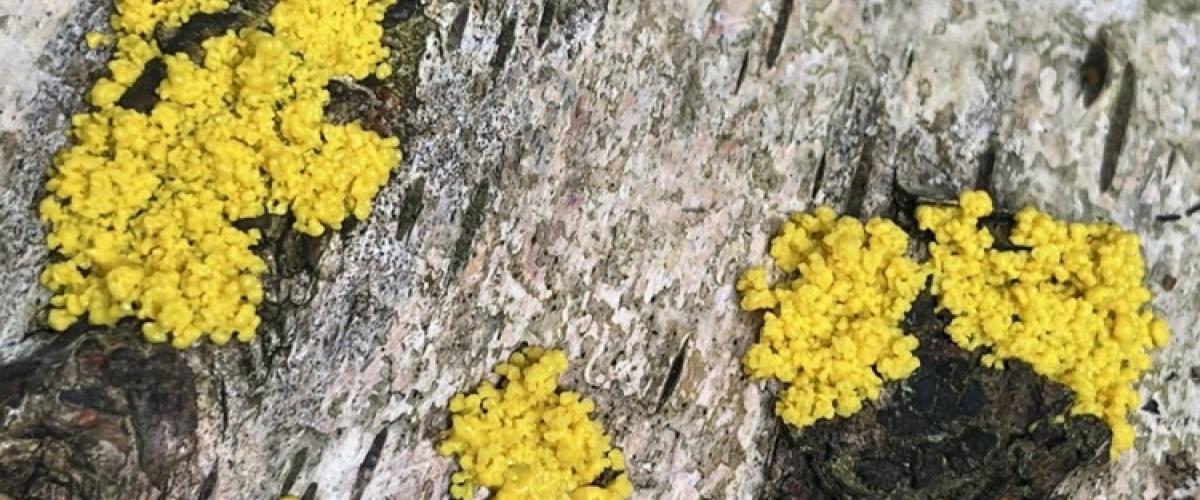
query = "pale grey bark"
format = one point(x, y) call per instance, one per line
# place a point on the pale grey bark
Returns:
point(593, 175)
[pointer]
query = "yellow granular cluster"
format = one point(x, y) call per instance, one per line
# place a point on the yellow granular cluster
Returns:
point(526, 440)
point(141, 17)
point(1073, 306)
point(142, 206)
point(832, 331)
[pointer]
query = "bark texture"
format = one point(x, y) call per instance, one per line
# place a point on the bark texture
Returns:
point(593, 175)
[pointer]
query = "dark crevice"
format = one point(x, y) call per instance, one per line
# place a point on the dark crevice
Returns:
point(299, 254)
point(909, 61)
point(862, 179)
point(1193, 209)
point(14, 381)
point(401, 11)
point(348, 102)
point(780, 433)
point(310, 493)
point(781, 24)
point(266, 350)
point(987, 165)
point(1093, 73)
point(1151, 407)
point(367, 469)
point(188, 39)
point(223, 403)
point(546, 22)
point(816, 187)
point(1001, 224)
point(472, 219)
point(411, 208)
point(504, 45)
point(297, 464)
point(142, 96)
point(89, 397)
point(673, 375)
point(209, 485)
point(458, 27)
point(1118, 126)
point(200, 27)
point(741, 76)
point(1168, 218)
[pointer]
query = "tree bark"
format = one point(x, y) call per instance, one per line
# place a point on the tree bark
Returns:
point(593, 175)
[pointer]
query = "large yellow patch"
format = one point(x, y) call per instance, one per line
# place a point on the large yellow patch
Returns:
point(1073, 306)
point(142, 206)
point(832, 327)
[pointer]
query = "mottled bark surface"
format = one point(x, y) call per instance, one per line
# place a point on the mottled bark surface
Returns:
point(594, 175)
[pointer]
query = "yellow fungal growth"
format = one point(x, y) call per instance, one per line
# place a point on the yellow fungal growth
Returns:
point(832, 327)
point(140, 17)
point(96, 40)
point(142, 206)
point(525, 439)
point(1073, 306)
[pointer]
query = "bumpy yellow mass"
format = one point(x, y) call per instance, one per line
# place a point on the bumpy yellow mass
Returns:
point(832, 330)
point(142, 206)
point(1073, 306)
point(525, 439)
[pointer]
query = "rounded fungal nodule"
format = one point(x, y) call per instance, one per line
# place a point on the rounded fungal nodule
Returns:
point(524, 438)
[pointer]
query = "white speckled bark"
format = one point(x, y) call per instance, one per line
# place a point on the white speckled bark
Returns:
point(623, 174)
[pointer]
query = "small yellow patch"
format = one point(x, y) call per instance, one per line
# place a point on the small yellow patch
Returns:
point(97, 39)
point(527, 440)
point(142, 206)
point(1073, 306)
point(832, 330)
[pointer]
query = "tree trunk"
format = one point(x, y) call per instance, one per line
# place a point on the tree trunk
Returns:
point(594, 175)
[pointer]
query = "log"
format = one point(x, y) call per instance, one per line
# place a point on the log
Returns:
point(594, 175)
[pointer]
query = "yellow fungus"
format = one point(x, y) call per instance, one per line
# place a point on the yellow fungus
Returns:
point(525, 439)
point(97, 39)
point(832, 327)
point(142, 206)
point(1072, 306)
